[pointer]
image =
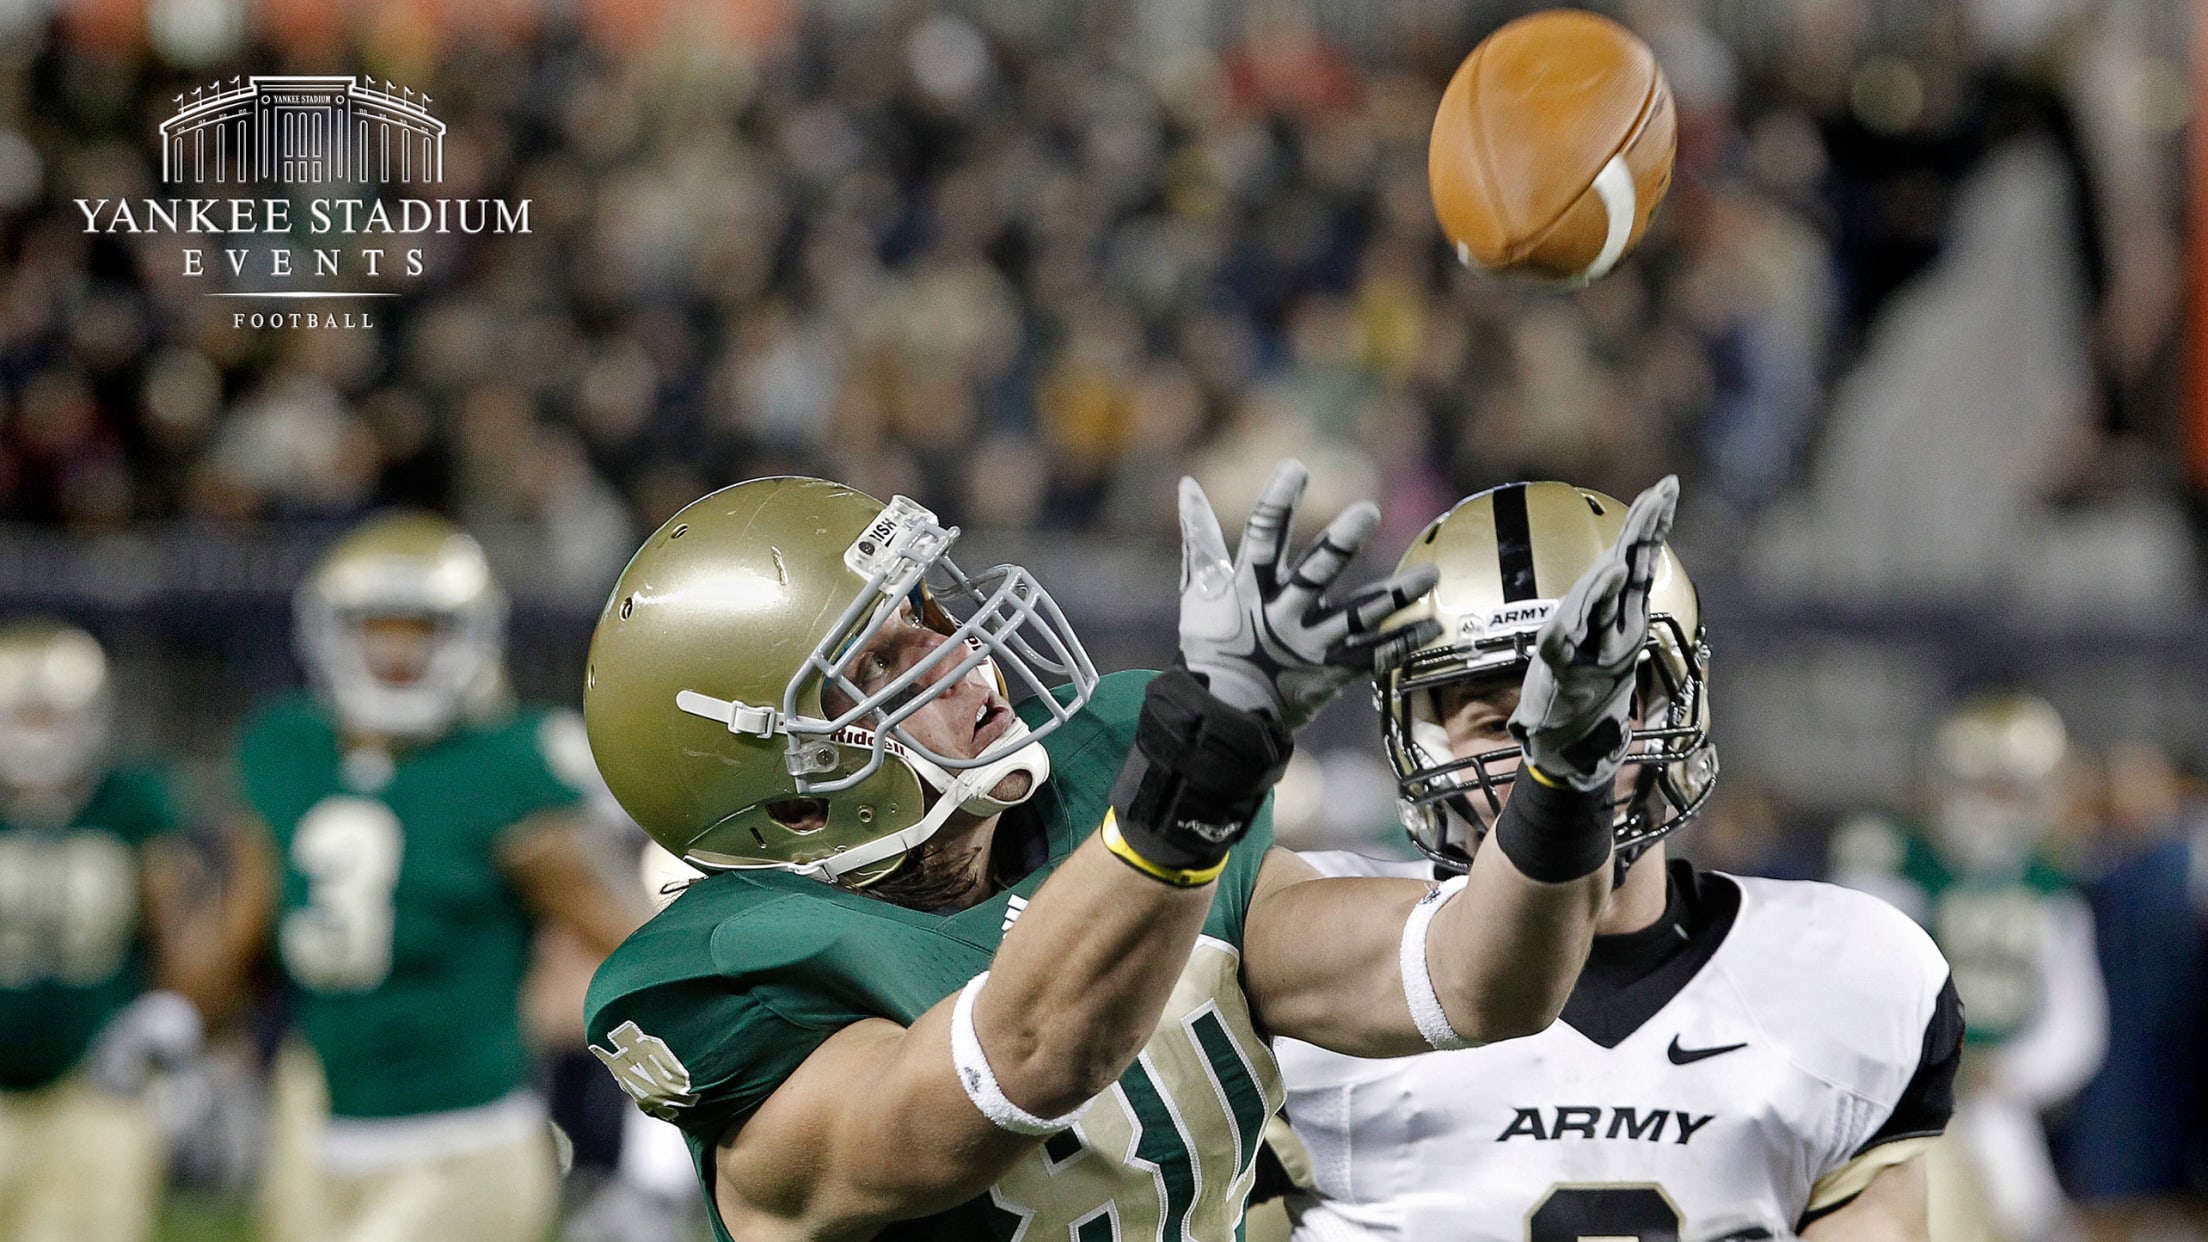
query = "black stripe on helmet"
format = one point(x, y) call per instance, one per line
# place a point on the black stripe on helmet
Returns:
point(1514, 543)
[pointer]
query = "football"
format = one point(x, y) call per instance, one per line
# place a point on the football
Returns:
point(1552, 147)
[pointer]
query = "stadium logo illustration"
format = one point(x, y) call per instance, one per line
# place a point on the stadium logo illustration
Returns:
point(304, 188)
point(303, 130)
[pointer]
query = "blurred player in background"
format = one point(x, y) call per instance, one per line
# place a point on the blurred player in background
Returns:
point(1028, 1002)
point(2021, 940)
point(424, 825)
point(1741, 1057)
point(88, 902)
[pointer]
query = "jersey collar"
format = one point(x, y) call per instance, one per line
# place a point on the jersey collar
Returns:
point(1630, 977)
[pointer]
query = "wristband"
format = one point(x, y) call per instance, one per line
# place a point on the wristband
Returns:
point(1418, 982)
point(1553, 833)
point(1193, 782)
point(1116, 842)
point(980, 1081)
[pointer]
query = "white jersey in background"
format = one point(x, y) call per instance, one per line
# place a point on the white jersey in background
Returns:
point(1762, 1051)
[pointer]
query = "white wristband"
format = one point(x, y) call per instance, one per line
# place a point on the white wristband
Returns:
point(980, 1081)
point(1418, 984)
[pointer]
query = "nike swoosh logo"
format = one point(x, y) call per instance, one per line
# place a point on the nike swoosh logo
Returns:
point(1688, 1056)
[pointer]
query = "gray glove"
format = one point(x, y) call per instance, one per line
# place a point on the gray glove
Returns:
point(1265, 640)
point(1575, 708)
point(158, 1031)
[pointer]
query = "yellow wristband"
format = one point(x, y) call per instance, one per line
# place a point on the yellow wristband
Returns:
point(1117, 844)
point(1544, 777)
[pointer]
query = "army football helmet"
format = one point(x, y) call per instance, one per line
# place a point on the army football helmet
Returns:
point(1506, 556)
point(721, 699)
point(403, 565)
point(56, 710)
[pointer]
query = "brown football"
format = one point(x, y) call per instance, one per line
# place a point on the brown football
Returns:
point(1552, 147)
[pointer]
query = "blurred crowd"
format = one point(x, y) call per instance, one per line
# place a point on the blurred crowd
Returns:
point(1023, 272)
point(1028, 269)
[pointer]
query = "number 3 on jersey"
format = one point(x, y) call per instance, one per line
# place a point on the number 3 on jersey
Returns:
point(1604, 1214)
point(348, 848)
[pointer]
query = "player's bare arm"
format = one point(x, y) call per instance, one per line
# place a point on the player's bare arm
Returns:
point(212, 945)
point(883, 1123)
point(1359, 965)
point(875, 1126)
point(560, 868)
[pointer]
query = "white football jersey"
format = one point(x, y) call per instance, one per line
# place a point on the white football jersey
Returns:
point(1803, 1038)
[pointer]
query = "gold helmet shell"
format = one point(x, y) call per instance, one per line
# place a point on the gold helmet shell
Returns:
point(403, 564)
point(704, 694)
point(2010, 736)
point(1505, 556)
point(56, 706)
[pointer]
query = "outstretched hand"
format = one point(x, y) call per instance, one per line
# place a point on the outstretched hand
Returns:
point(1575, 709)
point(1267, 639)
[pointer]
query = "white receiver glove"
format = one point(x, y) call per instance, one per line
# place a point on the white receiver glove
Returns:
point(158, 1031)
point(1575, 708)
point(1267, 640)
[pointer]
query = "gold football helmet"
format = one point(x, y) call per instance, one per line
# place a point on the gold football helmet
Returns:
point(711, 666)
point(403, 565)
point(1999, 756)
point(1506, 556)
point(56, 709)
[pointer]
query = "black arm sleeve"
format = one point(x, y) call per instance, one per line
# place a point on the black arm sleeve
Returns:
point(1553, 833)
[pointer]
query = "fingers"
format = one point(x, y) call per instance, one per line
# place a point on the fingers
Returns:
point(1384, 649)
point(1649, 519)
point(1365, 610)
point(1265, 535)
point(1324, 560)
point(1349, 633)
point(1640, 544)
point(1204, 562)
point(1577, 626)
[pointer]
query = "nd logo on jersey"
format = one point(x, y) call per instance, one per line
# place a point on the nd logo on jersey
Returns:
point(648, 1070)
point(1170, 1151)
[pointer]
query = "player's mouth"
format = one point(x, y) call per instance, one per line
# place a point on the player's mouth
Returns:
point(990, 722)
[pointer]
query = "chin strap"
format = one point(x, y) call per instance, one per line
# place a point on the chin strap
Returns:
point(970, 788)
point(967, 791)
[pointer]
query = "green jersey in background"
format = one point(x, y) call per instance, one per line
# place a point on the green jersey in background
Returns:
point(71, 953)
point(1993, 929)
point(404, 945)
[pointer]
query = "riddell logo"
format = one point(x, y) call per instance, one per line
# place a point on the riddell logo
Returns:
point(304, 158)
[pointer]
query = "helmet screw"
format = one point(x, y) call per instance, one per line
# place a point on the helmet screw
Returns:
point(628, 605)
point(866, 815)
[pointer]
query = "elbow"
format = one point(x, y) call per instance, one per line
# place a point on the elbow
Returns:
point(1505, 1009)
point(1052, 1076)
point(1512, 1022)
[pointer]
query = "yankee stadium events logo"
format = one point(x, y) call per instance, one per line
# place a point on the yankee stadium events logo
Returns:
point(304, 158)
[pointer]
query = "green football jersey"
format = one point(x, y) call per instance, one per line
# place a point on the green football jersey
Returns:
point(1988, 927)
point(404, 944)
point(711, 1005)
point(70, 950)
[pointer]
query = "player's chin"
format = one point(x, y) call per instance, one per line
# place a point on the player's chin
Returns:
point(1014, 787)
